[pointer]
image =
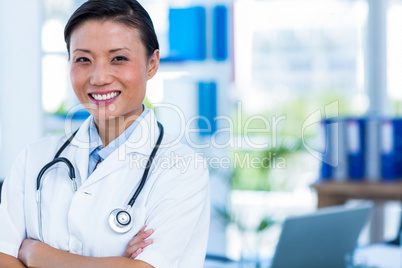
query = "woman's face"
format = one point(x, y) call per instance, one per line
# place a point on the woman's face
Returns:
point(109, 69)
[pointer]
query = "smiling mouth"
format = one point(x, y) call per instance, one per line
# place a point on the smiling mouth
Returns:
point(107, 96)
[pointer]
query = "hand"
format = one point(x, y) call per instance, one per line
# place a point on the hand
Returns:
point(138, 243)
point(26, 252)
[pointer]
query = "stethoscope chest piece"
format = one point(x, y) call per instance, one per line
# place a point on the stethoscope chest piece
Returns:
point(120, 221)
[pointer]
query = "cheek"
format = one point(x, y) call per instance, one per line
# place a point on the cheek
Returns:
point(134, 79)
point(136, 73)
point(77, 79)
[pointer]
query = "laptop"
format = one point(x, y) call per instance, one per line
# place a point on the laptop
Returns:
point(320, 239)
point(317, 240)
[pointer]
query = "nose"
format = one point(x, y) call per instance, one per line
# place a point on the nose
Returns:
point(100, 75)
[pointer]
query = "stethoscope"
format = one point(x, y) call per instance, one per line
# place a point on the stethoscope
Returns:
point(119, 219)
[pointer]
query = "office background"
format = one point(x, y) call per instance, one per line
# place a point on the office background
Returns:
point(265, 66)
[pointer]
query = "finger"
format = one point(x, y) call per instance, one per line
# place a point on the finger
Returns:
point(133, 249)
point(140, 236)
point(132, 244)
point(142, 244)
point(135, 254)
point(126, 253)
point(142, 229)
point(145, 234)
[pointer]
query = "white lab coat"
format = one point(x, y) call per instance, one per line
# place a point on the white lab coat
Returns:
point(174, 201)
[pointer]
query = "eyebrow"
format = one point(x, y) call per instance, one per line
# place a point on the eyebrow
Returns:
point(83, 50)
point(118, 49)
point(110, 51)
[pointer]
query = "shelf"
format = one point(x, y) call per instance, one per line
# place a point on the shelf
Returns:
point(361, 190)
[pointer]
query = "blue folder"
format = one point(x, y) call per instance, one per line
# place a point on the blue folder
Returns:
point(187, 34)
point(220, 33)
point(207, 108)
point(388, 168)
point(355, 129)
point(326, 167)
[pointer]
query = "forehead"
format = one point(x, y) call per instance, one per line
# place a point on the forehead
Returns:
point(106, 34)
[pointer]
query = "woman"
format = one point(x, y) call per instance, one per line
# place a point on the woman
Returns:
point(113, 52)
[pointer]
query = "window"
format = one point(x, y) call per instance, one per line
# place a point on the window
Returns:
point(57, 96)
point(394, 57)
point(295, 57)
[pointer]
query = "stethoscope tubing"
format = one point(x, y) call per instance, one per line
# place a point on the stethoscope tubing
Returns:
point(147, 167)
point(53, 162)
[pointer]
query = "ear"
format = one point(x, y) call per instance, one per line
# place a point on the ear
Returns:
point(153, 64)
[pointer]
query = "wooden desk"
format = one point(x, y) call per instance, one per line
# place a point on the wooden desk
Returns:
point(337, 193)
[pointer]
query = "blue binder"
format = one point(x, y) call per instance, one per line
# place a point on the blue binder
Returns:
point(187, 34)
point(388, 163)
point(373, 149)
point(355, 129)
point(326, 168)
point(220, 33)
point(207, 108)
point(340, 167)
point(398, 147)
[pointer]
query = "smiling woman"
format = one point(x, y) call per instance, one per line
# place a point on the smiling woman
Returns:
point(113, 52)
point(109, 68)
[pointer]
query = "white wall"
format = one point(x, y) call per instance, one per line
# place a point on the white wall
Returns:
point(21, 117)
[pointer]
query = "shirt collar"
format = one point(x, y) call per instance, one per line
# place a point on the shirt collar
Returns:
point(141, 140)
point(95, 141)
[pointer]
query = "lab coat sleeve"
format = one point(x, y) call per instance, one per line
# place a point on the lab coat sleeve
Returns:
point(12, 219)
point(179, 215)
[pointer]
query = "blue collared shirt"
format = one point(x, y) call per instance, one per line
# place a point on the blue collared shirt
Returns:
point(96, 151)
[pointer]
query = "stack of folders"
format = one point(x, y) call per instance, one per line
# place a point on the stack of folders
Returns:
point(362, 149)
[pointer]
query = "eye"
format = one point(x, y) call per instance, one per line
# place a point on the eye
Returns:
point(82, 59)
point(120, 58)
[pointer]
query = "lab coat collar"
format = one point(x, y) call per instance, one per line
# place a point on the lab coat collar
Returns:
point(81, 155)
point(81, 139)
point(142, 140)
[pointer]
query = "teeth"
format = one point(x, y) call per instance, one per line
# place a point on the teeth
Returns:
point(105, 96)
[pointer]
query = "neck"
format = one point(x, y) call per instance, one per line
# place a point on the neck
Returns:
point(110, 129)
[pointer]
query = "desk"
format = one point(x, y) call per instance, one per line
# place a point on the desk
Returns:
point(337, 193)
point(377, 255)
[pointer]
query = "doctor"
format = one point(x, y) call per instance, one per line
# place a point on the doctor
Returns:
point(51, 218)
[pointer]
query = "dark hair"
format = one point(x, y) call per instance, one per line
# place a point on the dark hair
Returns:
point(128, 12)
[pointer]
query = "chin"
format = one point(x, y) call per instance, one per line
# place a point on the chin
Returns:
point(104, 116)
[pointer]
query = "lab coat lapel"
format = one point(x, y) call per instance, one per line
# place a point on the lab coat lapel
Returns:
point(141, 141)
point(81, 153)
point(108, 166)
point(144, 137)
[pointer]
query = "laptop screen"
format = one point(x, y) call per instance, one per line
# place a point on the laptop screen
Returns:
point(320, 239)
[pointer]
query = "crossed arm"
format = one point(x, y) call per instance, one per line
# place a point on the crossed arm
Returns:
point(37, 254)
